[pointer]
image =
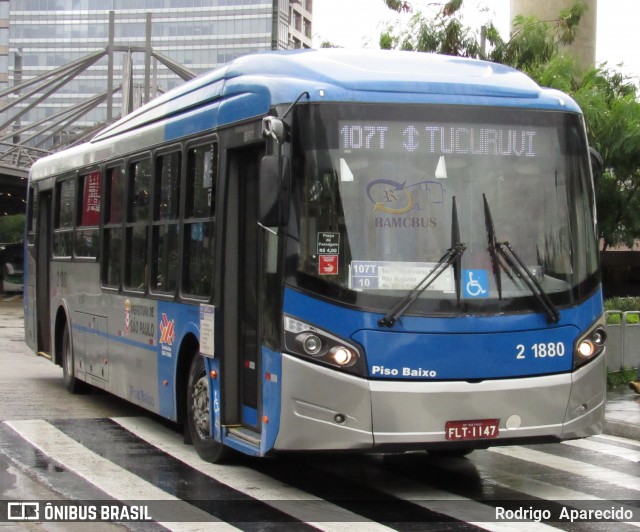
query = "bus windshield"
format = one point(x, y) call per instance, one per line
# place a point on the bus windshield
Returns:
point(373, 194)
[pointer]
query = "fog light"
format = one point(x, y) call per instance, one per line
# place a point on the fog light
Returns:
point(586, 348)
point(342, 356)
point(311, 344)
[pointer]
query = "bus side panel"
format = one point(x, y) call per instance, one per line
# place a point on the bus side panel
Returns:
point(29, 300)
point(133, 350)
point(271, 398)
point(174, 322)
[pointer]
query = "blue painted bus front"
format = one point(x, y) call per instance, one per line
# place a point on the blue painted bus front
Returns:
point(465, 347)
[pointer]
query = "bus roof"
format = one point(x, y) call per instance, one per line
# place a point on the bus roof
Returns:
point(251, 85)
point(351, 75)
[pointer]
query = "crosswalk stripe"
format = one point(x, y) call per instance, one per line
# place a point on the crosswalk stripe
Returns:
point(290, 500)
point(110, 478)
point(539, 489)
point(612, 450)
point(446, 503)
point(569, 465)
point(618, 439)
point(115, 481)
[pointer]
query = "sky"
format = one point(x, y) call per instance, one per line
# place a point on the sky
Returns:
point(358, 24)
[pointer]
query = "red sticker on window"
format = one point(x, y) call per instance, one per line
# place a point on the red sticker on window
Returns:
point(328, 265)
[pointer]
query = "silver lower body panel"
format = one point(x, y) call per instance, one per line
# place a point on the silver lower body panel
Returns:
point(324, 409)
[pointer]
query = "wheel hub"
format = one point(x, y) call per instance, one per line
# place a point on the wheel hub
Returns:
point(200, 398)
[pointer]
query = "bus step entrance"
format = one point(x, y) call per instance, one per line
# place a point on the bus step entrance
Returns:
point(45, 355)
point(245, 435)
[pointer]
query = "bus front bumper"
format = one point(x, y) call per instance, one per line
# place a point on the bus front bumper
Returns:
point(323, 409)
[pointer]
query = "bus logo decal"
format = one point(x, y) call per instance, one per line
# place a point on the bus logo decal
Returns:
point(167, 334)
point(393, 197)
point(127, 315)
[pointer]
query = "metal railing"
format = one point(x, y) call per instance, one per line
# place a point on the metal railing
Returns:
point(623, 339)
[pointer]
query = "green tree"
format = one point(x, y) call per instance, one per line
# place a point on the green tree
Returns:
point(11, 228)
point(443, 34)
point(534, 43)
point(609, 101)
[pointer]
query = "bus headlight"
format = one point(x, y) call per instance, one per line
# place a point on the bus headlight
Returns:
point(586, 348)
point(321, 346)
point(343, 356)
point(590, 344)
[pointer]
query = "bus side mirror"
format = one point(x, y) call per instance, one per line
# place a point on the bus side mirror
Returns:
point(597, 166)
point(274, 191)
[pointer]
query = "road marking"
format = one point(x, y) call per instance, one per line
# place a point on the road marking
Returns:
point(107, 476)
point(618, 439)
point(543, 490)
point(611, 450)
point(569, 465)
point(290, 500)
point(446, 503)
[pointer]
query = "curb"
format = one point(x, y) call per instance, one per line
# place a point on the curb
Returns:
point(4, 298)
point(621, 429)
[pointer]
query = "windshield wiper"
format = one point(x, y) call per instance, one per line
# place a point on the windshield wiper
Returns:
point(451, 256)
point(516, 264)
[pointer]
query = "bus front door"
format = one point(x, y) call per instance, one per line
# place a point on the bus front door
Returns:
point(241, 287)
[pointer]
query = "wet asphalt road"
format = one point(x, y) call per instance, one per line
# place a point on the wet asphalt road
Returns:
point(31, 388)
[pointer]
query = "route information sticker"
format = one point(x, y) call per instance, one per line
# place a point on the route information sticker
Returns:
point(390, 275)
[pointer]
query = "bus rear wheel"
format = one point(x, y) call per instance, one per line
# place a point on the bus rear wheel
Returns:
point(199, 415)
point(71, 382)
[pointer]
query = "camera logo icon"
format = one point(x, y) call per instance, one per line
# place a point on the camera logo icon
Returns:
point(23, 511)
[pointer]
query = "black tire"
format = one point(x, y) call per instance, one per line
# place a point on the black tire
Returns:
point(71, 383)
point(198, 415)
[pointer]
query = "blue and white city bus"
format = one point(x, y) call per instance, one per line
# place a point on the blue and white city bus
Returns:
point(330, 250)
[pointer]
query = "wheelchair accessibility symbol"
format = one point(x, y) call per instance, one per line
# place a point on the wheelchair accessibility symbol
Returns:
point(476, 283)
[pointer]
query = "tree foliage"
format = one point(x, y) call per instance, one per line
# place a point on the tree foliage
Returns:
point(443, 34)
point(11, 228)
point(612, 114)
point(608, 99)
point(533, 43)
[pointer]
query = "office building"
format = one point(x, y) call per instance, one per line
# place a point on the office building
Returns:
point(198, 34)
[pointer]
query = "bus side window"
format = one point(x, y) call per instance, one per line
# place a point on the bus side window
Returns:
point(164, 263)
point(114, 216)
point(88, 215)
point(199, 224)
point(33, 216)
point(63, 226)
point(137, 229)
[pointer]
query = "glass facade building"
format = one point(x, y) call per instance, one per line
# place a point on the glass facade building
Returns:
point(198, 34)
point(4, 45)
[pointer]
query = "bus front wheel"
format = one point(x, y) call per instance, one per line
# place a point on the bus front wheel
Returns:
point(71, 382)
point(199, 415)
